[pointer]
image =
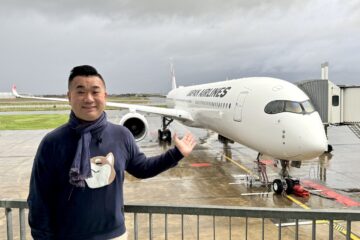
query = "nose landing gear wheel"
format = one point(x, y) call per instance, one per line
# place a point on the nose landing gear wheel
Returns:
point(278, 186)
point(285, 185)
point(290, 186)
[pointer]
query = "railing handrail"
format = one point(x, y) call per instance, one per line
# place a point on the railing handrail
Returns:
point(231, 211)
point(13, 203)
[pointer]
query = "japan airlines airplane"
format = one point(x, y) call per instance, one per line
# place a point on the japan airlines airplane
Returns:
point(269, 115)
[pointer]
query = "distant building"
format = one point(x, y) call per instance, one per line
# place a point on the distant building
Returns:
point(6, 95)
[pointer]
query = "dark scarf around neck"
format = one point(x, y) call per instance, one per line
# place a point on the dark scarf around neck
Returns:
point(80, 168)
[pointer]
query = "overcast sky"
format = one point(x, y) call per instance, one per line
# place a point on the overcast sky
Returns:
point(130, 42)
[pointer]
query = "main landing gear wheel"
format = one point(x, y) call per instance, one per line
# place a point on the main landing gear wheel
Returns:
point(278, 186)
point(164, 134)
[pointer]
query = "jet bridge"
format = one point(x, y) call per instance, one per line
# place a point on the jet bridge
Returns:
point(336, 104)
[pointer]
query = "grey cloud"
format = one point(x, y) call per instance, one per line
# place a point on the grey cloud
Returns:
point(131, 41)
point(146, 9)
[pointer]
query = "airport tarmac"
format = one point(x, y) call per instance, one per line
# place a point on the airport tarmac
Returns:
point(206, 177)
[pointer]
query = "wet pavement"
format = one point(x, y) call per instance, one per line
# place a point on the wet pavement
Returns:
point(206, 177)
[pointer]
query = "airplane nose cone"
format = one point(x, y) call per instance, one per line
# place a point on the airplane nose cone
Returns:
point(314, 140)
point(314, 147)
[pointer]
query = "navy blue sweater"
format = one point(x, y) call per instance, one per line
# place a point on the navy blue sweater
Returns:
point(58, 210)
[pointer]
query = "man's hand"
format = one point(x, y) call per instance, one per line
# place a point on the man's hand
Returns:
point(186, 144)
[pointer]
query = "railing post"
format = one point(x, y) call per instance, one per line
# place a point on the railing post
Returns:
point(136, 229)
point(348, 230)
point(166, 226)
point(279, 230)
point(263, 229)
point(246, 228)
point(214, 228)
point(22, 223)
point(150, 226)
point(198, 227)
point(182, 226)
point(9, 226)
point(313, 229)
point(331, 229)
point(297, 229)
point(230, 228)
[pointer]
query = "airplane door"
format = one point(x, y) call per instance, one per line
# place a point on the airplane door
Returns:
point(239, 104)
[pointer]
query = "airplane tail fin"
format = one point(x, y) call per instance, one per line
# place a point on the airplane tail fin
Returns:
point(173, 81)
point(14, 91)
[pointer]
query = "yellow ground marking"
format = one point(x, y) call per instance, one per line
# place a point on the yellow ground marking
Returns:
point(297, 202)
point(242, 167)
point(336, 226)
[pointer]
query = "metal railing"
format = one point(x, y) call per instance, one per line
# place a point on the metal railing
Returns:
point(9, 205)
point(221, 221)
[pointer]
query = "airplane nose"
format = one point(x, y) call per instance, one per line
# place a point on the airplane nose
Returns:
point(314, 147)
point(314, 141)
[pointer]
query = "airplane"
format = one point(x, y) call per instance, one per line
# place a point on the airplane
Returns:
point(269, 115)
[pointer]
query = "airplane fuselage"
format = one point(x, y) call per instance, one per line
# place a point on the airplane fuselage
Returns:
point(269, 115)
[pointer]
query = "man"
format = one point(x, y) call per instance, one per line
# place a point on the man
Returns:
point(76, 185)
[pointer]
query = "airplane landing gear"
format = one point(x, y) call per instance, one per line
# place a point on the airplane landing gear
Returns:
point(284, 168)
point(289, 186)
point(164, 134)
point(284, 185)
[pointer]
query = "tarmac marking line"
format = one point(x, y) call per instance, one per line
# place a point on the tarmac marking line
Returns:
point(298, 202)
point(241, 166)
point(336, 226)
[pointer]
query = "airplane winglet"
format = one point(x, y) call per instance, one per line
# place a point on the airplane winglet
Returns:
point(14, 91)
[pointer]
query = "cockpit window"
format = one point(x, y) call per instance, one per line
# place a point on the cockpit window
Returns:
point(308, 107)
point(275, 107)
point(279, 106)
point(293, 107)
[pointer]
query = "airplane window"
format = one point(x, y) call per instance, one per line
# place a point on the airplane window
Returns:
point(275, 107)
point(294, 107)
point(308, 107)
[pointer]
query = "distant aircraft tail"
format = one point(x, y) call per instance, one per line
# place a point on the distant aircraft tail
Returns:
point(14, 91)
point(173, 81)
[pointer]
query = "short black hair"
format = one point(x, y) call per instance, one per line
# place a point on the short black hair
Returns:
point(84, 70)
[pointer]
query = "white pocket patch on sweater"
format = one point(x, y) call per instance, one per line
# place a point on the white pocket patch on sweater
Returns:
point(102, 170)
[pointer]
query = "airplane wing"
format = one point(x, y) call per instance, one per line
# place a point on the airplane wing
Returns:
point(16, 94)
point(166, 112)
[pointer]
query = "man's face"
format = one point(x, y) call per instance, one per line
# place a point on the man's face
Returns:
point(87, 97)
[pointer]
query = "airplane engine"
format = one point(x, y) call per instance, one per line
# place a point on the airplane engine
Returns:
point(136, 123)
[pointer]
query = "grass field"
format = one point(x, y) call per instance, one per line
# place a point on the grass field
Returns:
point(20, 104)
point(32, 121)
point(46, 121)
